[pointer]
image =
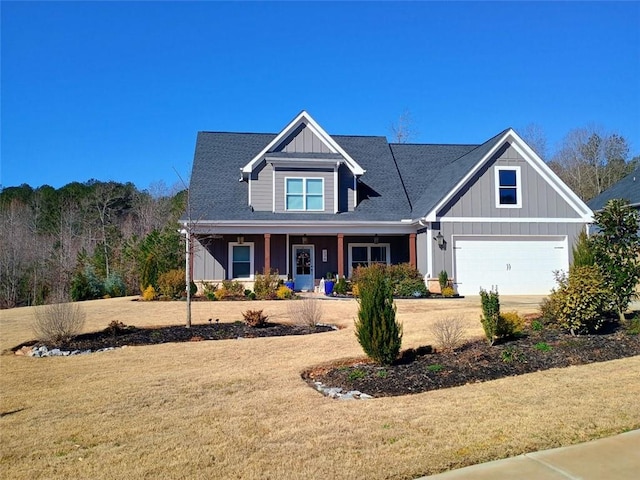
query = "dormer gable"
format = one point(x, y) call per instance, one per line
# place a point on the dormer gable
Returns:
point(305, 142)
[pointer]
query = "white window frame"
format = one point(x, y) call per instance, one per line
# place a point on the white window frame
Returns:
point(251, 260)
point(518, 187)
point(387, 246)
point(304, 194)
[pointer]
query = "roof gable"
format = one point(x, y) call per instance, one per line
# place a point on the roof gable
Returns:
point(303, 121)
point(458, 173)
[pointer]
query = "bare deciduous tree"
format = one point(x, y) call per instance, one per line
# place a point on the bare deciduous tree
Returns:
point(535, 137)
point(404, 131)
point(590, 161)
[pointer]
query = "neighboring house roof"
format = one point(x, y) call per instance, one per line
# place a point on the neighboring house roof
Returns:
point(628, 188)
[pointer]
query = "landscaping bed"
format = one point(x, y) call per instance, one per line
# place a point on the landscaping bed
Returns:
point(423, 369)
point(119, 335)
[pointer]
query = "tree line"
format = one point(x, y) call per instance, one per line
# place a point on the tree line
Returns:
point(85, 240)
point(588, 159)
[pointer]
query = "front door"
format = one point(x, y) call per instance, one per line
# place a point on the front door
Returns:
point(303, 263)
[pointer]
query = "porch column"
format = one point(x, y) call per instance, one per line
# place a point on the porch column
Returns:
point(267, 252)
point(340, 255)
point(412, 249)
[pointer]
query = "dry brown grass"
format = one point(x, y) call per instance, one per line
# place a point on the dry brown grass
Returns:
point(238, 408)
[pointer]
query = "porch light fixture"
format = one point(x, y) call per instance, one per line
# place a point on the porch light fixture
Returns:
point(376, 239)
point(240, 239)
point(440, 239)
point(304, 239)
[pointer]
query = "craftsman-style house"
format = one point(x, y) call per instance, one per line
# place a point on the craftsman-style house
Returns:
point(306, 203)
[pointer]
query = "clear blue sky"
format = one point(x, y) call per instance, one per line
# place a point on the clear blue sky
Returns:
point(118, 90)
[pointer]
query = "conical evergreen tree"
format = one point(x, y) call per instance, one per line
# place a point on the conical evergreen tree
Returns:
point(377, 330)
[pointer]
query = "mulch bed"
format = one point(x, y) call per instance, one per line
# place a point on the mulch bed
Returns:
point(121, 335)
point(423, 369)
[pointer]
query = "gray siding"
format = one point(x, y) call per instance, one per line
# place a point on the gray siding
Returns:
point(346, 192)
point(261, 187)
point(304, 173)
point(303, 140)
point(421, 251)
point(539, 199)
point(443, 260)
point(209, 259)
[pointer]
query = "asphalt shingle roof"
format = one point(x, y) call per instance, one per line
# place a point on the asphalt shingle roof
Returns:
point(627, 188)
point(401, 181)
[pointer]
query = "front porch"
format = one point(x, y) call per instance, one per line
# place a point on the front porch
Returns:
point(303, 258)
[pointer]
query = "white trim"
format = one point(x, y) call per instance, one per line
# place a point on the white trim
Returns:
point(230, 246)
point(430, 251)
point(298, 228)
point(249, 190)
point(511, 219)
point(273, 189)
point(355, 192)
point(496, 179)
point(369, 245)
point(287, 255)
point(532, 159)
point(335, 187)
point(304, 195)
point(325, 138)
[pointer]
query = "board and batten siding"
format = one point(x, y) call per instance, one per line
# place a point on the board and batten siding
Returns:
point(205, 265)
point(539, 199)
point(303, 140)
point(261, 188)
point(303, 173)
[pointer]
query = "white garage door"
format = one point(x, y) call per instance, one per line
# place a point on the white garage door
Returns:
point(515, 265)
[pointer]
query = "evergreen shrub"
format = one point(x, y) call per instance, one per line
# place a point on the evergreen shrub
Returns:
point(172, 283)
point(490, 314)
point(581, 303)
point(266, 285)
point(85, 285)
point(114, 286)
point(377, 330)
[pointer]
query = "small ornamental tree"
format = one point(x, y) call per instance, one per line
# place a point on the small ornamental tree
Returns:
point(616, 248)
point(377, 330)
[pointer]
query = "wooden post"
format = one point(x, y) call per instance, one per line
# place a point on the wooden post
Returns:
point(340, 255)
point(267, 252)
point(412, 249)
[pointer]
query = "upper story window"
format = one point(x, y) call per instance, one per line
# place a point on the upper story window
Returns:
point(304, 194)
point(508, 187)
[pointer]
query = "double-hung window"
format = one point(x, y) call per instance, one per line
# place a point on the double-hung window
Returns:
point(240, 260)
point(364, 254)
point(508, 187)
point(304, 194)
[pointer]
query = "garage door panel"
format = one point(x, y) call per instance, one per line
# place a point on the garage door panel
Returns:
point(513, 265)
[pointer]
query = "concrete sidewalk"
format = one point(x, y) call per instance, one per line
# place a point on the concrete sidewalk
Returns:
point(608, 458)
